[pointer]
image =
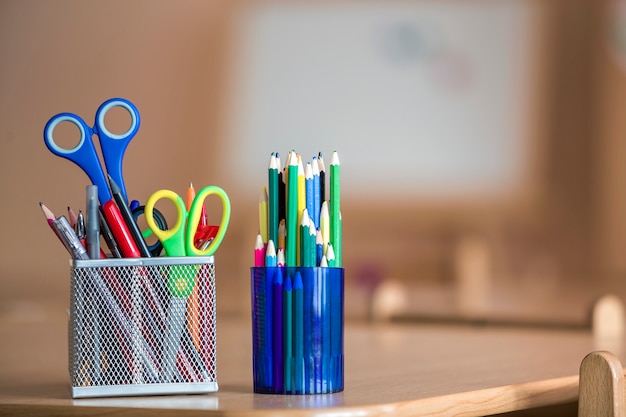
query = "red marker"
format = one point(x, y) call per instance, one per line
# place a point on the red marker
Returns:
point(120, 231)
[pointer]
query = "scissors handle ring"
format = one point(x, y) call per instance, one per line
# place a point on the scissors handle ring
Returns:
point(195, 212)
point(172, 239)
point(54, 122)
point(117, 102)
point(155, 248)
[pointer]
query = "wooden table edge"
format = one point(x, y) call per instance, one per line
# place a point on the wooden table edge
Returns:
point(483, 402)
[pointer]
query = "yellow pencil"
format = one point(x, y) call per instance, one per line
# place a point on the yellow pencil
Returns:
point(263, 214)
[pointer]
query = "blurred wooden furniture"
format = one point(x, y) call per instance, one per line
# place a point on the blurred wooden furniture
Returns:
point(601, 391)
point(417, 370)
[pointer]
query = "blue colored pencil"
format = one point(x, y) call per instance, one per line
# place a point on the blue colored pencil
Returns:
point(336, 289)
point(308, 328)
point(317, 326)
point(277, 331)
point(319, 248)
point(326, 313)
point(317, 197)
point(269, 325)
point(270, 254)
point(288, 334)
point(298, 337)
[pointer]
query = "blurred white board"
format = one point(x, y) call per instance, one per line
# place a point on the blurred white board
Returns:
point(428, 98)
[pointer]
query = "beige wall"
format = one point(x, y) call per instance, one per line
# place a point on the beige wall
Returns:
point(166, 57)
point(172, 59)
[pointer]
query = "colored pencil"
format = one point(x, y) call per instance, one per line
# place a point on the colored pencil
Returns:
point(281, 234)
point(193, 313)
point(280, 257)
point(317, 198)
point(305, 247)
point(270, 254)
point(319, 247)
point(292, 212)
point(277, 329)
point(288, 332)
point(71, 217)
point(325, 225)
point(259, 251)
point(50, 218)
point(301, 187)
point(309, 195)
point(282, 197)
point(273, 201)
point(301, 205)
point(335, 206)
point(268, 316)
point(298, 333)
point(330, 256)
point(263, 215)
point(322, 169)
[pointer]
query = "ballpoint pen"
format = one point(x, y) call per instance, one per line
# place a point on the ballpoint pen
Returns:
point(116, 191)
point(69, 238)
point(80, 228)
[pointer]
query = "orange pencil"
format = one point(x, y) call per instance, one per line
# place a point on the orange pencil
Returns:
point(193, 306)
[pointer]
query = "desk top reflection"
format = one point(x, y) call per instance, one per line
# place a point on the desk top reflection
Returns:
point(406, 369)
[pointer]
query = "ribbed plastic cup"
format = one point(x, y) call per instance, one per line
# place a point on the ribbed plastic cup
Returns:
point(297, 329)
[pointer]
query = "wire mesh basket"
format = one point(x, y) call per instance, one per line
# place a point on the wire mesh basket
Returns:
point(143, 326)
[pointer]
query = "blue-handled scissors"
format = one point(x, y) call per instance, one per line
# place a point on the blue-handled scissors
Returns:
point(179, 241)
point(84, 153)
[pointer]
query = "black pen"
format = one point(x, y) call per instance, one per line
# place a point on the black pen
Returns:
point(128, 219)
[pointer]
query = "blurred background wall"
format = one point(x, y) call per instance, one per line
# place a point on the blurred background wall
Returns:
point(545, 241)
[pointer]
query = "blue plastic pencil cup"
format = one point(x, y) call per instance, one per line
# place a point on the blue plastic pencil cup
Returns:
point(297, 329)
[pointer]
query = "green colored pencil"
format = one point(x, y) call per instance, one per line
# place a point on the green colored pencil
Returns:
point(273, 199)
point(335, 207)
point(305, 247)
point(292, 211)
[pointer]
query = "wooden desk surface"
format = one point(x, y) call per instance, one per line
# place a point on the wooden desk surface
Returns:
point(401, 368)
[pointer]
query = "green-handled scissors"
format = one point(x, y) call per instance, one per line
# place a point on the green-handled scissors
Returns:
point(179, 241)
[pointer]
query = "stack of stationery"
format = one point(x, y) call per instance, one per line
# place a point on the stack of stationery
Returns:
point(297, 280)
point(298, 225)
point(140, 324)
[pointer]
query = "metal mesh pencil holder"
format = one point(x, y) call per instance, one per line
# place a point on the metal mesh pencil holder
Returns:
point(136, 330)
